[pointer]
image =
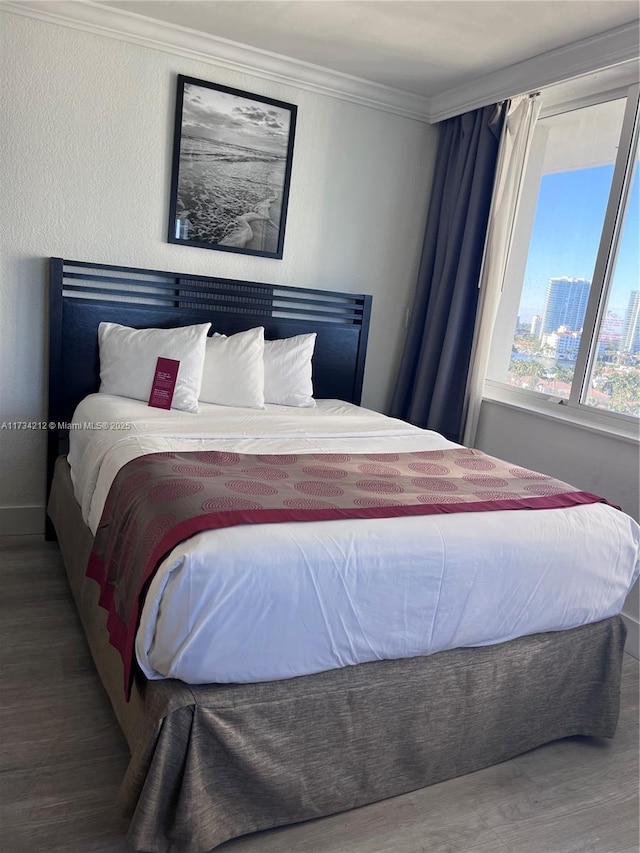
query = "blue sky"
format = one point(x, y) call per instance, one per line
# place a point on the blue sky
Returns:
point(566, 233)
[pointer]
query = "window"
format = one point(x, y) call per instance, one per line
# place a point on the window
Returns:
point(614, 380)
point(568, 325)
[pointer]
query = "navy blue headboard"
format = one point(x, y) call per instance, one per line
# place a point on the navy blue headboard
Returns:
point(83, 294)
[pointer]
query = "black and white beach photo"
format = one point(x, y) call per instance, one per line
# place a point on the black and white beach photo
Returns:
point(231, 169)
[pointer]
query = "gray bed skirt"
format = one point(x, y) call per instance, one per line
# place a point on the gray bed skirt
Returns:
point(212, 762)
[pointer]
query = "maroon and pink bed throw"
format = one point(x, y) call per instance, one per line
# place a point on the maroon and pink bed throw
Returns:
point(159, 500)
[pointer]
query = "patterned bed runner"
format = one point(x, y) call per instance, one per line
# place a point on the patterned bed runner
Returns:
point(159, 500)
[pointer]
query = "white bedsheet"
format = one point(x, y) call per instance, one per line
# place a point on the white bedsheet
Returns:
point(266, 602)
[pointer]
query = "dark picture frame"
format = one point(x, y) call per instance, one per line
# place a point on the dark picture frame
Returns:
point(231, 170)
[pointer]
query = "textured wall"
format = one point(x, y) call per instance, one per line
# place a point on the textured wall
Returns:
point(86, 137)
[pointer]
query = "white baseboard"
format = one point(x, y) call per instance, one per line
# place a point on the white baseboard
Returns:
point(632, 646)
point(21, 520)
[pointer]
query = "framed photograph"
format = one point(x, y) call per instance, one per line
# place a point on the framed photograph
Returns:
point(232, 155)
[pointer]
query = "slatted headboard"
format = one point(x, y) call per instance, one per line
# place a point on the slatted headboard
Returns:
point(83, 294)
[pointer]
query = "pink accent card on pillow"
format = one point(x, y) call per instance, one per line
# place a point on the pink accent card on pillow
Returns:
point(164, 383)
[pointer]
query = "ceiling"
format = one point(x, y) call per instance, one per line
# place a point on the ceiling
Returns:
point(424, 47)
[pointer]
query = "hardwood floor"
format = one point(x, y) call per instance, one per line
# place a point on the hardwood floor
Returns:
point(62, 758)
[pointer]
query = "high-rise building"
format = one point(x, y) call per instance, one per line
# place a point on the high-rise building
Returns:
point(565, 304)
point(631, 328)
point(536, 325)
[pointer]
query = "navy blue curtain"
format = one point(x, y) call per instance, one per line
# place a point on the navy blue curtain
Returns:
point(430, 391)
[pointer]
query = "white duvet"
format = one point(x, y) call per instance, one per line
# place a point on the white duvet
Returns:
point(266, 602)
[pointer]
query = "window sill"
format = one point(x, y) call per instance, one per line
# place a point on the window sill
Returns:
point(590, 420)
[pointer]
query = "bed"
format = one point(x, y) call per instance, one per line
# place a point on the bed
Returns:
point(263, 727)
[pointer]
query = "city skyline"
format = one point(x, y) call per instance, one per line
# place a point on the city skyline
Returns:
point(563, 318)
point(566, 234)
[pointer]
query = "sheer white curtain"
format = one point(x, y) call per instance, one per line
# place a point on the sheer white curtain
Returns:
point(519, 125)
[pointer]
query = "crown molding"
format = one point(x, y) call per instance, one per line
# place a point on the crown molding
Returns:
point(565, 63)
point(158, 35)
point(574, 60)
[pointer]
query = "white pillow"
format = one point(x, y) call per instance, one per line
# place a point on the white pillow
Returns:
point(234, 370)
point(128, 359)
point(287, 371)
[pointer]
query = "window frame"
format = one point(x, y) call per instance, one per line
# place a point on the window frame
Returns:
point(574, 408)
point(623, 174)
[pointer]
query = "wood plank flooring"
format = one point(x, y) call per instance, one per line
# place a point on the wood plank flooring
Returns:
point(62, 757)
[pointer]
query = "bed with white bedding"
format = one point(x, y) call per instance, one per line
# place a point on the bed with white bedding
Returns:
point(285, 602)
point(288, 671)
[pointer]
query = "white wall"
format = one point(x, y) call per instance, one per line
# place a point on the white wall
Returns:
point(592, 461)
point(85, 141)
